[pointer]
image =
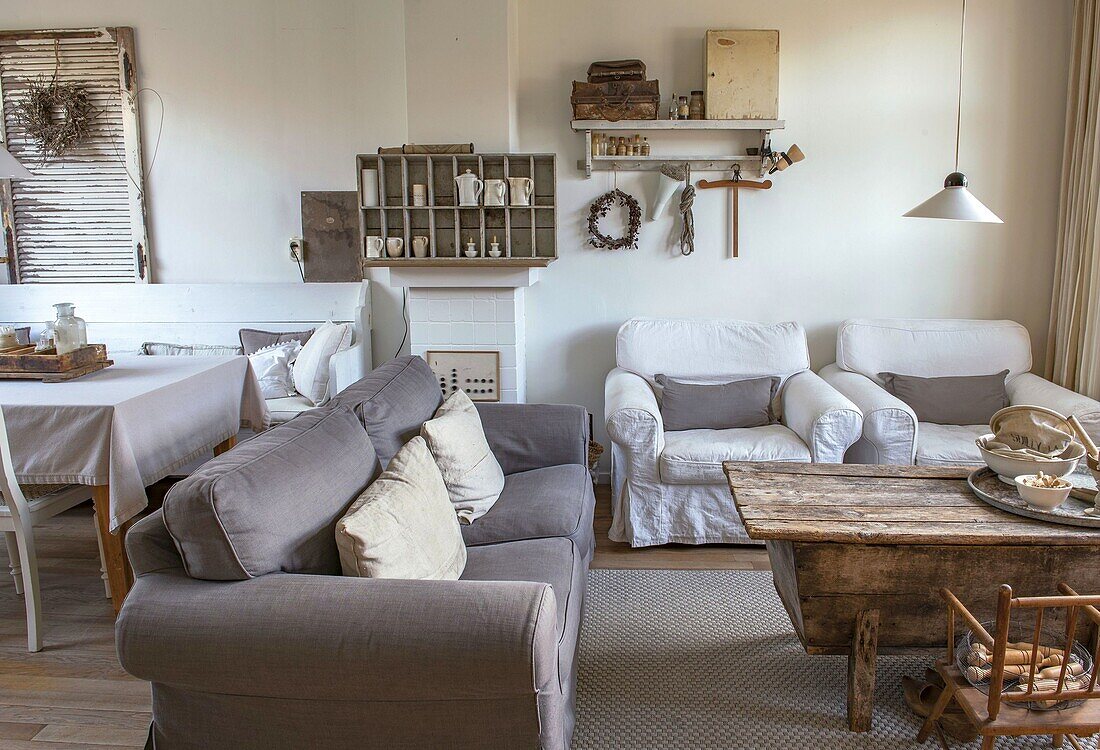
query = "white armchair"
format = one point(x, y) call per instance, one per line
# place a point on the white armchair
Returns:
point(936, 348)
point(668, 486)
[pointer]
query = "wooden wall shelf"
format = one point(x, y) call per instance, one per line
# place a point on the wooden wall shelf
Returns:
point(701, 163)
point(527, 234)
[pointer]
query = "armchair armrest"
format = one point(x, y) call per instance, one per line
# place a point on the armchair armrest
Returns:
point(347, 367)
point(339, 638)
point(1029, 388)
point(889, 424)
point(633, 418)
point(531, 436)
point(821, 415)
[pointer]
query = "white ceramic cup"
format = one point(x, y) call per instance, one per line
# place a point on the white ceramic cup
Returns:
point(420, 195)
point(374, 245)
point(395, 246)
point(420, 246)
point(495, 192)
point(521, 189)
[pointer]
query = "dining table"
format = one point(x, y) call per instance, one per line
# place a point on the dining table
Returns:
point(125, 427)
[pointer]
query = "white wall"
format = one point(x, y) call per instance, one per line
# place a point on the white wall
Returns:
point(262, 99)
point(868, 90)
point(266, 98)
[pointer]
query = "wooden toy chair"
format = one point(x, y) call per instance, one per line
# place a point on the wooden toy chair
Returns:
point(995, 715)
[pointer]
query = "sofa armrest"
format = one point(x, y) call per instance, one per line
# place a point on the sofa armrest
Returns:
point(822, 416)
point(889, 424)
point(633, 421)
point(1029, 388)
point(346, 367)
point(341, 638)
point(532, 436)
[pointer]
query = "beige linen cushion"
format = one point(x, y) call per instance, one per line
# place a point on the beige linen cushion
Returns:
point(471, 472)
point(311, 368)
point(402, 525)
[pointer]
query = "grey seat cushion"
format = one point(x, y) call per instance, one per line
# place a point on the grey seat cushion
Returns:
point(555, 501)
point(271, 504)
point(392, 402)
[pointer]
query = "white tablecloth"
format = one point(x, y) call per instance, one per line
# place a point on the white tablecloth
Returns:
point(130, 424)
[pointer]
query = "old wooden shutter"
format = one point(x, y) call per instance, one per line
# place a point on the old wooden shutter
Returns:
point(82, 217)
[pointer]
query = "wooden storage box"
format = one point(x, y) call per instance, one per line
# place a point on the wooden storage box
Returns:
point(616, 100)
point(24, 364)
point(742, 78)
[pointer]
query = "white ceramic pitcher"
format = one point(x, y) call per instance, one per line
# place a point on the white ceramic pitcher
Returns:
point(520, 189)
point(469, 187)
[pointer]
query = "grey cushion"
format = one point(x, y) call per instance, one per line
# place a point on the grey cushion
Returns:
point(549, 502)
point(253, 339)
point(392, 402)
point(722, 406)
point(271, 504)
point(958, 399)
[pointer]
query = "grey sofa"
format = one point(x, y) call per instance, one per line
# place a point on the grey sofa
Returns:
point(251, 638)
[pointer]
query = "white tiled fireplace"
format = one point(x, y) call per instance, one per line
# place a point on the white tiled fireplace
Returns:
point(468, 310)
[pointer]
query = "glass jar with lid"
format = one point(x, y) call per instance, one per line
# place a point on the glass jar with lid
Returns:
point(70, 332)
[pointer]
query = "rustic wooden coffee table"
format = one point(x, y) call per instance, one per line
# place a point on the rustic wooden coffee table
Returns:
point(858, 553)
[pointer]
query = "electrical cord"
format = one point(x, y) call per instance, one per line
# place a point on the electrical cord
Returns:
point(301, 270)
point(404, 319)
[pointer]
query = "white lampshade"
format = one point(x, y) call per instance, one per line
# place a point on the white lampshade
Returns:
point(10, 168)
point(955, 202)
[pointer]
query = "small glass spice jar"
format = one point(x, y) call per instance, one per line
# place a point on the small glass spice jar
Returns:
point(696, 109)
point(683, 110)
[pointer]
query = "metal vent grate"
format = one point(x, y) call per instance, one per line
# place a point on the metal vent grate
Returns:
point(81, 218)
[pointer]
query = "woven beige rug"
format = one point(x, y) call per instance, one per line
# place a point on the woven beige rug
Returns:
point(707, 659)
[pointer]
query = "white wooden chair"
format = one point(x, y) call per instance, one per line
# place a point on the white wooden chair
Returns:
point(18, 516)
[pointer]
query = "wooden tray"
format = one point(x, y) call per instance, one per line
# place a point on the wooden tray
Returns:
point(988, 487)
point(23, 364)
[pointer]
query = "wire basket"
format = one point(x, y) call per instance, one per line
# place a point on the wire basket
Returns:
point(979, 676)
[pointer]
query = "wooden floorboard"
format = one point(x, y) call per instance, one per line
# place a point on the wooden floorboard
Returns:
point(73, 694)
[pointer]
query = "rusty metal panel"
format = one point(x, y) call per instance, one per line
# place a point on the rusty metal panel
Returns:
point(742, 75)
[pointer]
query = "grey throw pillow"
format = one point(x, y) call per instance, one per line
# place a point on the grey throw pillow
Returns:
point(956, 399)
point(253, 340)
point(740, 403)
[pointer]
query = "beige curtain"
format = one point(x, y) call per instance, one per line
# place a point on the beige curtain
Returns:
point(1073, 354)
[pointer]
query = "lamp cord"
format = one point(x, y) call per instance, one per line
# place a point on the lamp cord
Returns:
point(959, 104)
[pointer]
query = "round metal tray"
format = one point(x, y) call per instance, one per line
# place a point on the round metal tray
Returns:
point(986, 485)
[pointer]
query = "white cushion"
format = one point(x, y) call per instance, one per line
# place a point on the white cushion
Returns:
point(471, 472)
point(402, 525)
point(311, 370)
point(932, 348)
point(949, 444)
point(705, 351)
point(696, 456)
point(272, 367)
point(285, 409)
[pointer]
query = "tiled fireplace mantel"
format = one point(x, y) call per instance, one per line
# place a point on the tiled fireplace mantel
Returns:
point(469, 309)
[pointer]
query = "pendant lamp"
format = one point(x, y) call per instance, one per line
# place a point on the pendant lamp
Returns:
point(955, 201)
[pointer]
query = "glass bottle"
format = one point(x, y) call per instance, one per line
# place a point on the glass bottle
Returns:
point(645, 147)
point(695, 106)
point(683, 111)
point(45, 339)
point(70, 332)
point(674, 108)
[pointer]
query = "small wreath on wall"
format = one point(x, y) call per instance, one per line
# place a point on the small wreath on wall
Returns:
point(56, 116)
point(600, 208)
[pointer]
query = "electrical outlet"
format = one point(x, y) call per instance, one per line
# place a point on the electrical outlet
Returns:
point(297, 249)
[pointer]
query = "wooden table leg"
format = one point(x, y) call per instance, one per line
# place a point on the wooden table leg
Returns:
point(114, 552)
point(861, 670)
point(225, 445)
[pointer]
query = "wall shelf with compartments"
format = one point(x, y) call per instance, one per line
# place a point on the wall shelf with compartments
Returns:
point(527, 234)
point(748, 162)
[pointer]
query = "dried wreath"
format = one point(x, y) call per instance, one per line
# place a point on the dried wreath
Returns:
point(55, 115)
point(599, 209)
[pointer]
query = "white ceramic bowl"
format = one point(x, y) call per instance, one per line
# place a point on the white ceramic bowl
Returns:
point(1046, 498)
point(1007, 468)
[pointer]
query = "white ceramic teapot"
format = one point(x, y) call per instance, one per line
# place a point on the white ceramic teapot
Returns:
point(469, 187)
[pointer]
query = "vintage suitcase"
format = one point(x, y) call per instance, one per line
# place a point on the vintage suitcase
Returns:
point(616, 70)
point(742, 81)
point(616, 100)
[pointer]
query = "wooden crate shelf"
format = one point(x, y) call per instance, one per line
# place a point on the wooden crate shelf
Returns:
point(527, 234)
